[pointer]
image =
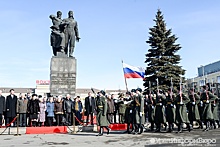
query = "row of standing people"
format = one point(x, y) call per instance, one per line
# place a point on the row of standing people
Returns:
point(38, 111)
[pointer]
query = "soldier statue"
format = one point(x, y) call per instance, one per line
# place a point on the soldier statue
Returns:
point(64, 33)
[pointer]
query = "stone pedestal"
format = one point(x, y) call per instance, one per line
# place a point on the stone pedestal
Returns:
point(63, 75)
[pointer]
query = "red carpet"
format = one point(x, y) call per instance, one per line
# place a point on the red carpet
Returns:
point(117, 127)
point(46, 130)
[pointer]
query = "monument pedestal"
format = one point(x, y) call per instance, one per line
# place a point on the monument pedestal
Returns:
point(62, 75)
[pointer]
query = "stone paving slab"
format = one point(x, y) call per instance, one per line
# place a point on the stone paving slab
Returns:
point(117, 139)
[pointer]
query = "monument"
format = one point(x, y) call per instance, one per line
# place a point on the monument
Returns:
point(64, 33)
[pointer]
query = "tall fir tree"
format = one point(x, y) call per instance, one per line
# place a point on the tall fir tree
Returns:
point(162, 59)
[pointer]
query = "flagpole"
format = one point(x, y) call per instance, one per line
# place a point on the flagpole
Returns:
point(125, 78)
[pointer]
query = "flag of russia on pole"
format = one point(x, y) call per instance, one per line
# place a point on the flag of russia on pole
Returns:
point(133, 72)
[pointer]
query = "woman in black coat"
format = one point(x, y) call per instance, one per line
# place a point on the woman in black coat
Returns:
point(33, 109)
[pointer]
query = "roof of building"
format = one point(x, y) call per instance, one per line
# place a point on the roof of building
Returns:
point(17, 90)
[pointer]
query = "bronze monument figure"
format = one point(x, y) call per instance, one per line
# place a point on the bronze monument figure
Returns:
point(64, 34)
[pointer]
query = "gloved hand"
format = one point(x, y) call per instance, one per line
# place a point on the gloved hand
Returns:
point(103, 114)
point(141, 113)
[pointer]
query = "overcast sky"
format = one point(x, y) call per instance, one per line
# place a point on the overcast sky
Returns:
point(110, 30)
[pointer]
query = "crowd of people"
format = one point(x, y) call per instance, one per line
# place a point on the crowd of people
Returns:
point(36, 110)
point(166, 108)
point(135, 108)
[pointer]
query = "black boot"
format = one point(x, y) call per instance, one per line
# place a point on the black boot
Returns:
point(206, 126)
point(200, 124)
point(100, 132)
point(179, 128)
point(213, 124)
point(141, 129)
point(158, 128)
point(189, 127)
point(152, 126)
point(136, 129)
point(218, 123)
point(170, 129)
point(108, 130)
point(165, 126)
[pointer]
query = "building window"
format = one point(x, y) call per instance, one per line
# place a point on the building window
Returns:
point(218, 79)
point(201, 83)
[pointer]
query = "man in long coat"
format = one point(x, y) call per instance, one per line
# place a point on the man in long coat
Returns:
point(139, 118)
point(102, 121)
point(170, 110)
point(181, 111)
point(110, 110)
point(207, 97)
point(193, 108)
point(160, 110)
point(89, 107)
point(11, 105)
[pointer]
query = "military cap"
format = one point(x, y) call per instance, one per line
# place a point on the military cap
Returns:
point(34, 95)
point(139, 89)
point(102, 92)
point(128, 93)
point(133, 90)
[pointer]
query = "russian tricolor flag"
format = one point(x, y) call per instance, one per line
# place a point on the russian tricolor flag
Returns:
point(133, 72)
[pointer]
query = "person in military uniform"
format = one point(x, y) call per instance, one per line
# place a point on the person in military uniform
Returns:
point(129, 119)
point(160, 111)
point(181, 111)
point(200, 107)
point(193, 114)
point(139, 112)
point(214, 105)
point(207, 97)
point(151, 111)
point(122, 108)
point(101, 103)
point(146, 107)
point(170, 110)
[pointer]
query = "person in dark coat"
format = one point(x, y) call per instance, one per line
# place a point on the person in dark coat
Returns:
point(139, 119)
point(129, 116)
point(151, 109)
point(181, 102)
point(207, 98)
point(2, 106)
point(122, 108)
point(111, 108)
point(58, 110)
point(170, 110)
point(11, 104)
point(102, 113)
point(68, 109)
point(146, 107)
point(160, 110)
point(33, 110)
point(78, 109)
point(193, 108)
point(89, 107)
